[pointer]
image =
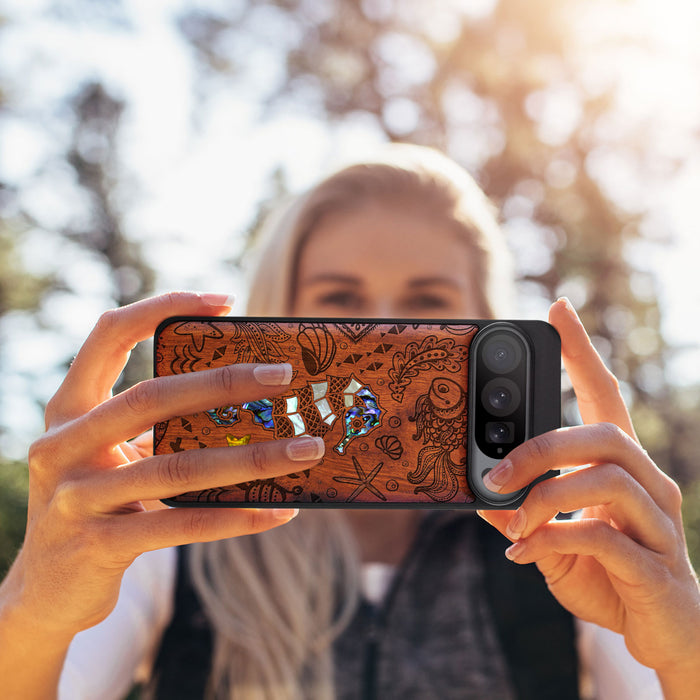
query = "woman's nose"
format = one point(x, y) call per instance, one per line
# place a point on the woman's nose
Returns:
point(383, 307)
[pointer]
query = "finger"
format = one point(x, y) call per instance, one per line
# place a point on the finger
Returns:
point(154, 400)
point(142, 444)
point(606, 486)
point(138, 448)
point(142, 532)
point(614, 550)
point(497, 518)
point(131, 452)
point(579, 445)
point(166, 476)
point(596, 388)
point(105, 352)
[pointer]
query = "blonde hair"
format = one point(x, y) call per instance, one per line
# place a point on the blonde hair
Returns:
point(277, 600)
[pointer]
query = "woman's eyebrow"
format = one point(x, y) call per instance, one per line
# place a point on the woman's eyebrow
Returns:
point(332, 277)
point(432, 282)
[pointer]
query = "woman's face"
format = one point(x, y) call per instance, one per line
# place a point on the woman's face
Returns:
point(385, 261)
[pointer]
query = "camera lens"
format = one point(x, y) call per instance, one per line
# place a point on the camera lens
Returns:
point(500, 396)
point(499, 432)
point(502, 353)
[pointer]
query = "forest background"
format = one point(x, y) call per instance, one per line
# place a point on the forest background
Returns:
point(140, 143)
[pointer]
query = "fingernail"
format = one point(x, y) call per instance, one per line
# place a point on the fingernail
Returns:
point(499, 476)
point(218, 299)
point(516, 525)
point(515, 550)
point(285, 514)
point(273, 375)
point(305, 448)
point(569, 306)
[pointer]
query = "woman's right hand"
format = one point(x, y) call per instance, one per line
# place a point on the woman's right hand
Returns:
point(88, 516)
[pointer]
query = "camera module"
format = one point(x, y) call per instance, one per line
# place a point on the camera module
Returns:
point(500, 398)
point(514, 368)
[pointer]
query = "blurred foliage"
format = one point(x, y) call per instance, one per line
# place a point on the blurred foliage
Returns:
point(691, 520)
point(93, 155)
point(503, 91)
point(19, 290)
point(14, 482)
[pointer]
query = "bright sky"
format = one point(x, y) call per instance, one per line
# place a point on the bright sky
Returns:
point(193, 189)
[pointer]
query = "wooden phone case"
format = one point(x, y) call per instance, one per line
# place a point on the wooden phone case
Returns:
point(388, 397)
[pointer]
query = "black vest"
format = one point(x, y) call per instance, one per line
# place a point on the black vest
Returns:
point(418, 645)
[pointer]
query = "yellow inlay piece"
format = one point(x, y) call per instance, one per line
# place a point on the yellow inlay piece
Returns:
point(234, 441)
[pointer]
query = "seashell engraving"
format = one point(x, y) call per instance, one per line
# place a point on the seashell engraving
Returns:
point(317, 347)
point(390, 446)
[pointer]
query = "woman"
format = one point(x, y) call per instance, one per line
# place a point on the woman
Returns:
point(412, 236)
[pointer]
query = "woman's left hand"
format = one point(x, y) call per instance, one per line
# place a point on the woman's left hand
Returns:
point(623, 564)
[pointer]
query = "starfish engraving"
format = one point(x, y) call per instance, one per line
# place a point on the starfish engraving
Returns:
point(363, 481)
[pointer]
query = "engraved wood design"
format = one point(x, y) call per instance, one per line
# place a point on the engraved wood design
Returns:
point(389, 399)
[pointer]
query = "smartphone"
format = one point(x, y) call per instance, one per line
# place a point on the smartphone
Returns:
point(413, 413)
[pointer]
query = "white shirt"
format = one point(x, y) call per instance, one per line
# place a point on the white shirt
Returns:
point(104, 661)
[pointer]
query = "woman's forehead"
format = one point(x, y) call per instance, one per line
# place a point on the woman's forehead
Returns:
point(384, 237)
